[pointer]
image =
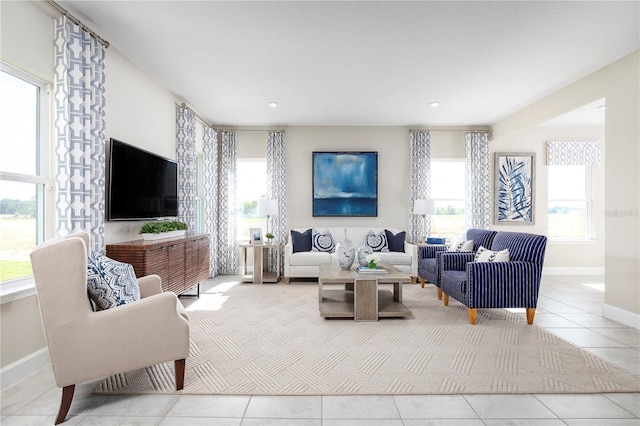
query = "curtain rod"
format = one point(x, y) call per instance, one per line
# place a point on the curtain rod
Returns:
point(451, 130)
point(76, 21)
point(198, 118)
point(228, 129)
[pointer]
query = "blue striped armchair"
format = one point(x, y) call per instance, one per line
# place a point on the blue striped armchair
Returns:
point(429, 256)
point(481, 285)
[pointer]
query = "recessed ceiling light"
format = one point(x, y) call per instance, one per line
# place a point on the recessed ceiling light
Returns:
point(434, 104)
point(273, 104)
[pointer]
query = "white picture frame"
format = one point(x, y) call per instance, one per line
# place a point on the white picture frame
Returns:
point(255, 235)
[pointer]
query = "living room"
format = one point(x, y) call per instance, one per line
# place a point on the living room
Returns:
point(140, 111)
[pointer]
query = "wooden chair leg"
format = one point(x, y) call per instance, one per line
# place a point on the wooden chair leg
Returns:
point(414, 280)
point(440, 294)
point(286, 280)
point(472, 316)
point(179, 365)
point(421, 282)
point(445, 299)
point(65, 404)
point(530, 313)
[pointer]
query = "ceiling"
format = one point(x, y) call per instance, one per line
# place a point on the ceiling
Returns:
point(363, 62)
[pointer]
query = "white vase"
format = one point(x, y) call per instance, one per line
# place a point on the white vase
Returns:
point(362, 253)
point(345, 252)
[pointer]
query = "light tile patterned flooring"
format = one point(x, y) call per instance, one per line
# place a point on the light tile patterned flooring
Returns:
point(569, 306)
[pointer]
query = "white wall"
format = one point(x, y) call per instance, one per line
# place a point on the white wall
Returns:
point(138, 112)
point(619, 84)
point(559, 254)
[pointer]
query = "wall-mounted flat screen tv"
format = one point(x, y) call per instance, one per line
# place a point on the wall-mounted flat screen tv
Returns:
point(141, 185)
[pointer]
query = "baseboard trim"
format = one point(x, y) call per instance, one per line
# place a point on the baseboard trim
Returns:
point(627, 318)
point(572, 271)
point(23, 368)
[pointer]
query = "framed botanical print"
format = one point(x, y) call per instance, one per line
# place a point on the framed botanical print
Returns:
point(514, 188)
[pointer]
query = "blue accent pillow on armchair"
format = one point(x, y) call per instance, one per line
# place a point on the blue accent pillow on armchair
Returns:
point(110, 283)
point(301, 240)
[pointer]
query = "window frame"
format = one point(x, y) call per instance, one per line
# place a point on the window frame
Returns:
point(461, 161)
point(45, 217)
point(244, 235)
point(588, 202)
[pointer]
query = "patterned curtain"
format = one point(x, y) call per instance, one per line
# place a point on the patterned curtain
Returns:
point(228, 261)
point(420, 182)
point(478, 185)
point(80, 131)
point(210, 174)
point(276, 180)
point(186, 153)
point(573, 153)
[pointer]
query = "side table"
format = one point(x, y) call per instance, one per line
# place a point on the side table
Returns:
point(261, 273)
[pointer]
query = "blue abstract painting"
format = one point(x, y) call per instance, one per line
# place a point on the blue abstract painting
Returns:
point(514, 187)
point(345, 184)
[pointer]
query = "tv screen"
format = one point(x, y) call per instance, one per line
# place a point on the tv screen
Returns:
point(142, 185)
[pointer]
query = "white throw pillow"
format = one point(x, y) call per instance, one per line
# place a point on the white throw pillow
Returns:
point(486, 255)
point(322, 241)
point(461, 245)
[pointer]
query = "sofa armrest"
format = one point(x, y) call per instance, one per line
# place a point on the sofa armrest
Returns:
point(455, 261)
point(412, 249)
point(288, 251)
point(429, 252)
point(503, 284)
point(149, 285)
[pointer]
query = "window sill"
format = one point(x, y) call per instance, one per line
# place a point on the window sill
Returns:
point(16, 290)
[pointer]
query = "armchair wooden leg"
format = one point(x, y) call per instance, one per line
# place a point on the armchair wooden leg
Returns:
point(445, 299)
point(414, 280)
point(179, 365)
point(440, 294)
point(530, 313)
point(65, 404)
point(421, 282)
point(472, 316)
point(286, 280)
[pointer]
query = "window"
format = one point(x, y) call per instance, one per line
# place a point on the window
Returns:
point(569, 204)
point(24, 109)
point(447, 192)
point(252, 185)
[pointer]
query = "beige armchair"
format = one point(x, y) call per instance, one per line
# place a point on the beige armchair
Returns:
point(86, 345)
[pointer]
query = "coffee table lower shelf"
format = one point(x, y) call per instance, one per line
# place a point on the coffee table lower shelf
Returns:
point(339, 304)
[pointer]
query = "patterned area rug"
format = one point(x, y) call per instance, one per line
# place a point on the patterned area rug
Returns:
point(270, 340)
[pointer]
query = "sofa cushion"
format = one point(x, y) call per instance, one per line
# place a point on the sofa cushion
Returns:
point(486, 255)
point(395, 258)
point(309, 258)
point(301, 240)
point(323, 241)
point(395, 242)
point(378, 242)
point(110, 283)
point(461, 245)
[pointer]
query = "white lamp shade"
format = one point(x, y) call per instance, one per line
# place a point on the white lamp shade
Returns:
point(423, 206)
point(267, 207)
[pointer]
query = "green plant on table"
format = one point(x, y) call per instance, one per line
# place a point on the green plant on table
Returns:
point(159, 227)
point(269, 236)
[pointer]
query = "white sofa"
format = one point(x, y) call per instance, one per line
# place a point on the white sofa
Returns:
point(306, 264)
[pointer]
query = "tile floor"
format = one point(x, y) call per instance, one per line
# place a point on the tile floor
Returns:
point(569, 306)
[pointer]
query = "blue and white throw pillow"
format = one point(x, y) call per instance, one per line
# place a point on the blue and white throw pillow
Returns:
point(461, 245)
point(323, 241)
point(110, 283)
point(486, 255)
point(378, 242)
